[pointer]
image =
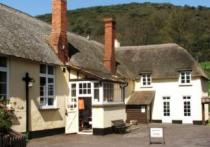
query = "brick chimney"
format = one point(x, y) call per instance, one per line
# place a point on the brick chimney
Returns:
point(58, 36)
point(109, 51)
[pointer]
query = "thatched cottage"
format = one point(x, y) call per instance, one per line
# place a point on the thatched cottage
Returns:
point(60, 82)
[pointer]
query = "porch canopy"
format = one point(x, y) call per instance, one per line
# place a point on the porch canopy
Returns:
point(206, 100)
point(141, 98)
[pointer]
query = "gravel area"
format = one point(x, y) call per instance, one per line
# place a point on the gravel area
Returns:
point(138, 136)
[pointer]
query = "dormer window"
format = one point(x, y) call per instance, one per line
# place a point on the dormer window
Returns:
point(185, 77)
point(146, 80)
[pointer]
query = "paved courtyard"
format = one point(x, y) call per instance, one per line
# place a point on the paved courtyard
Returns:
point(175, 136)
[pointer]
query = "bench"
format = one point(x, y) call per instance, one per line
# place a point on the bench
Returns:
point(119, 126)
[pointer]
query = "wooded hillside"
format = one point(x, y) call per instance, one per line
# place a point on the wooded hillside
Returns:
point(147, 23)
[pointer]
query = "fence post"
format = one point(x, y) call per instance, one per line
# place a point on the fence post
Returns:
point(1, 139)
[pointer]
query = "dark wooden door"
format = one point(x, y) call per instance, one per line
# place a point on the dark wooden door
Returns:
point(138, 113)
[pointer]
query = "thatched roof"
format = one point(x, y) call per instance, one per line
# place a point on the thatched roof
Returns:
point(27, 37)
point(163, 61)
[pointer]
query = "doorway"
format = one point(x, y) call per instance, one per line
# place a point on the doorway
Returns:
point(85, 115)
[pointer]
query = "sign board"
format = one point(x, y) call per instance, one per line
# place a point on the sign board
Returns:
point(156, 132)
point(156, 135)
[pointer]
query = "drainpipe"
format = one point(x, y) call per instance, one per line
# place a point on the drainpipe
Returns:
point(27, 79)
point(123, 86)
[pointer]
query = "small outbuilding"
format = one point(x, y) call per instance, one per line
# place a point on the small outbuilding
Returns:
point(139, 106)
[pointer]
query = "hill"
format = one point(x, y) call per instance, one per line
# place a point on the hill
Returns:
point(147, 23)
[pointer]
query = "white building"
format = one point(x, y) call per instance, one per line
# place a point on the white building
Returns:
point(168, 85)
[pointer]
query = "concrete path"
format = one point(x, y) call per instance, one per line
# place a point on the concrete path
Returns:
point(175, 136)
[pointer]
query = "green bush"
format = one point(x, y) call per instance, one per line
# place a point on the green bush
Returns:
point(5, 118)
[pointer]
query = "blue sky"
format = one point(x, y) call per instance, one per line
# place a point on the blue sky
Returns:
point(36, 7)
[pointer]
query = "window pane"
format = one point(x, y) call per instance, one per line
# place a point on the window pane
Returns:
point(41, 90)
point(73, 93)
point(84, 91)
point(50, 70)
point(42, 81)
point(3, 76)
point(50, 80)
point(42, 101)
point(3, 89)
point(43, 69)
point(3, 62)
point(50, 101)
point(80, 85)
point(73, 86)
point(96, 85)
point(42, 86)
point(50, 90)
point(80, 91)
point(96, 94)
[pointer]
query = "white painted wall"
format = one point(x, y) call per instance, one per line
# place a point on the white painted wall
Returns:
point(176, 92)
point(98, 117)
point(102, 116)
point(113, 113)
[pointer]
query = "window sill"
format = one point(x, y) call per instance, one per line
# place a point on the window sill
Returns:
point(185, 85)
point(146, 87)
point(48, 108)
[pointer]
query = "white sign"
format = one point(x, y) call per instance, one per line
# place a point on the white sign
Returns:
point(156, 132)
point(143, 110)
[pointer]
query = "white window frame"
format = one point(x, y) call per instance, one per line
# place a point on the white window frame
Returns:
point(95, 100)
point(187, 99)
point(148, 80)
point(167, 99)
point(86, 88)
point(6, 70)
point(46, 96)
point(183, 77)
point(72, 104)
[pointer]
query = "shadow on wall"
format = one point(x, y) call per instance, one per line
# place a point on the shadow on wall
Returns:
point(15, 120)
point(51, 115)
